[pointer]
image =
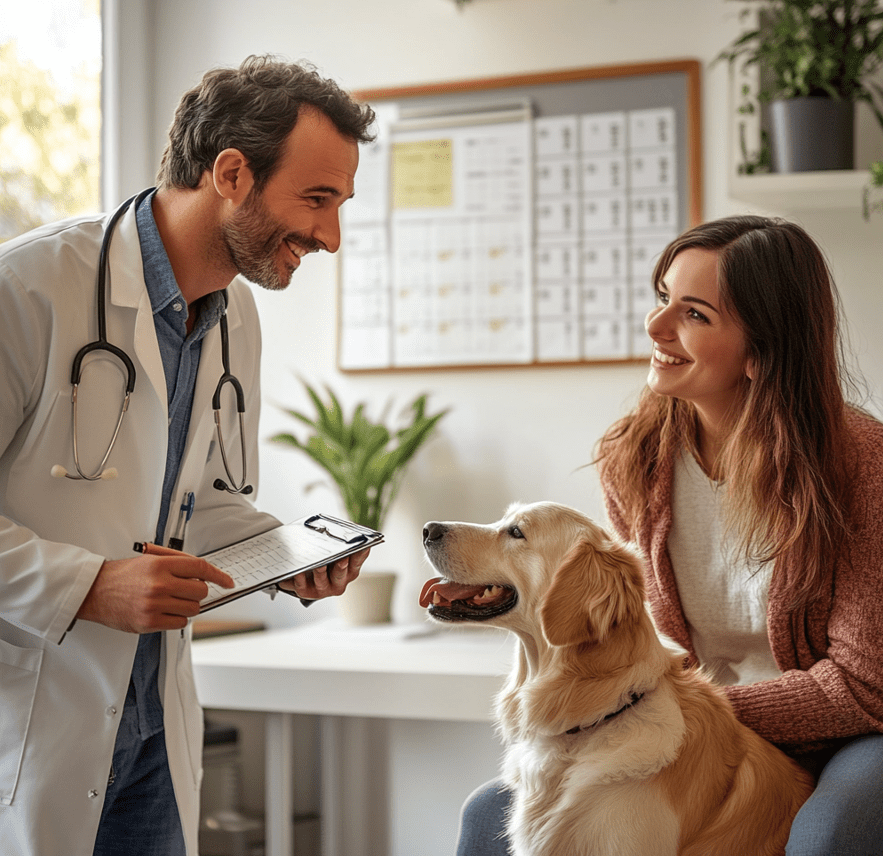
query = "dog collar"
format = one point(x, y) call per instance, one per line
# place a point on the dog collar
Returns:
point(635, 698)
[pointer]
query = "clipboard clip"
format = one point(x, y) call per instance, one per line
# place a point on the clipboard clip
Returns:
point(332, 529)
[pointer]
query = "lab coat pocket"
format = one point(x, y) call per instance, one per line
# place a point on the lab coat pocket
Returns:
point(19, 670)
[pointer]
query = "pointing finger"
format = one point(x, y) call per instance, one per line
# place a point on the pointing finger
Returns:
point(203, 570)
point(193, 568)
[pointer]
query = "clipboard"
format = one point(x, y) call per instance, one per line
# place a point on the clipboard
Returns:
point(283, 552)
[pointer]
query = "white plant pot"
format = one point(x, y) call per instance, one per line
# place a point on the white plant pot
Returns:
point(368, 599)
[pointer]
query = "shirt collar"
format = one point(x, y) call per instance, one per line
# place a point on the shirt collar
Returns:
point(159, 278)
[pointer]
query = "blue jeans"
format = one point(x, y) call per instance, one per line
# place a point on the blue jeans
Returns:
point(140, 815)
point(843, 816)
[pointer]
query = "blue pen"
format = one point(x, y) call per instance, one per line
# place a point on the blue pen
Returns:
point(184, 515)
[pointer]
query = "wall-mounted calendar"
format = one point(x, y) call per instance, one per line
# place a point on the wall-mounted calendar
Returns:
point(516, 221)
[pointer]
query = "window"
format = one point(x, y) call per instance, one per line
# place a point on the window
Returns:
point(50, 112)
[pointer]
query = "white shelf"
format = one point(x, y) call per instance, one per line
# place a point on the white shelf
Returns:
point(802, 191)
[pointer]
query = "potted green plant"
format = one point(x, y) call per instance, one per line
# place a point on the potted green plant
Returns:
point(816, 58)
point(366, 461)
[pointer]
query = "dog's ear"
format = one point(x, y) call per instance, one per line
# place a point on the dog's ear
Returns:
point(597, 588)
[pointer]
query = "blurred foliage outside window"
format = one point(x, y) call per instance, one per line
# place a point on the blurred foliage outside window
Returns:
point(50, 112)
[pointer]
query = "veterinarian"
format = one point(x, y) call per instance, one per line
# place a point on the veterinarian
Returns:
point(754, 490)
point(100, 730)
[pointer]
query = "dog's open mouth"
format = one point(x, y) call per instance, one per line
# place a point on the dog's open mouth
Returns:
point(449, 601)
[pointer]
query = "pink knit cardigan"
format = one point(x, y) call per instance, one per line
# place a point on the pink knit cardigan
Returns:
point(831, 653)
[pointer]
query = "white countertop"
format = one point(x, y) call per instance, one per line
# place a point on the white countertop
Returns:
point(395, 671)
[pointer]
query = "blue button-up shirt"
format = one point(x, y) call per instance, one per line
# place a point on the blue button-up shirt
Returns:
point(180, 358)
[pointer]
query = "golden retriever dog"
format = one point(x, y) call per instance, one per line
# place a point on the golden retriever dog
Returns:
point(612, 746)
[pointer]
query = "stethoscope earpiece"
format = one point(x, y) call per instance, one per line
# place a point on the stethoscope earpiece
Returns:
point(59, 472)
point(220, 484)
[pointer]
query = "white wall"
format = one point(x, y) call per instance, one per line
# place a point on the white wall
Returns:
point(511, 434)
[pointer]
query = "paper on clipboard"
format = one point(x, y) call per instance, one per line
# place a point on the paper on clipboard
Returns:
point(305, 544)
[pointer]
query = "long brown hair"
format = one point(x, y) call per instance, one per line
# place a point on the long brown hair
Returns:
point(788, 459)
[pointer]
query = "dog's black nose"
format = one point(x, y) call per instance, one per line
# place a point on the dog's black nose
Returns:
point(433, 531)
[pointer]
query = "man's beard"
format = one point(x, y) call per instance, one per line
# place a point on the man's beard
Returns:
point(252, 238)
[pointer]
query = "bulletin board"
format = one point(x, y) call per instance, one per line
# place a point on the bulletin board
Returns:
point(515, 221)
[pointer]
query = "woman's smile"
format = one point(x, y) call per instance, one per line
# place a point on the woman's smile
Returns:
point(667, 359)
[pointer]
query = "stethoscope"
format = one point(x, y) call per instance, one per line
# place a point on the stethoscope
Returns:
point(101, 344)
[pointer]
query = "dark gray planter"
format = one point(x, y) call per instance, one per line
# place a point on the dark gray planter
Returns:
point(809, 134)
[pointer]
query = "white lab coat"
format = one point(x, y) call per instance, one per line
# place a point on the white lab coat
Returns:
point(62, 688)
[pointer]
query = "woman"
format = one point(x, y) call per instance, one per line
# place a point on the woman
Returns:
point(756, 495)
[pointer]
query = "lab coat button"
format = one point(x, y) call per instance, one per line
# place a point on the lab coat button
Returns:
point(111, 711)
point(92, 794)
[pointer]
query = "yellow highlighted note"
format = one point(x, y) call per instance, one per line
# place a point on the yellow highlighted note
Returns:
point(423, 174)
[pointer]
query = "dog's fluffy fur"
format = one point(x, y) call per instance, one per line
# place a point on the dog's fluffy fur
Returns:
point(594, 772)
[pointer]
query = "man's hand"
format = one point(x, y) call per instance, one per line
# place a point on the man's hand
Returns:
point(328, 581)
point(156, 591)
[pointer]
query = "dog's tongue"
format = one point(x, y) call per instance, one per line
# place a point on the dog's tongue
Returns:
point(447, 592)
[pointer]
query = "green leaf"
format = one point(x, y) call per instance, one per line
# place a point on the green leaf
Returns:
point(365, 460)
point(812, 47)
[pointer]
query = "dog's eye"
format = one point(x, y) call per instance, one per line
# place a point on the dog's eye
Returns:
point(515, 532)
